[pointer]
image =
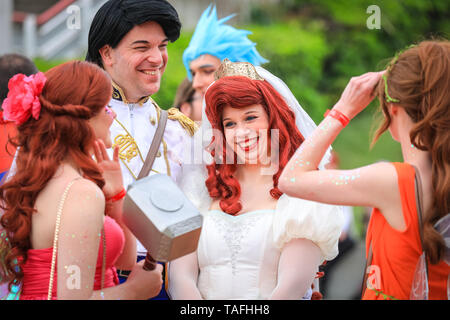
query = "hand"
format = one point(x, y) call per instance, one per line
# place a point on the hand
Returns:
point(145, 284)
point(110, 169)
point(358, 93)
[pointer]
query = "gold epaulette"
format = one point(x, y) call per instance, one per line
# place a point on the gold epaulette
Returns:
point(189, 125)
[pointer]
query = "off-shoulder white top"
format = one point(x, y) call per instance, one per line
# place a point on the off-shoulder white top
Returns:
point(238, 255)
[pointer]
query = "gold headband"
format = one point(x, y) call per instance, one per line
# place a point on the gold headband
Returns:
point(228, 69)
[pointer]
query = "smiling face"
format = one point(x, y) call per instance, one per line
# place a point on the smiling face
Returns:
point(246, 132)
point(202, 71)
point(101, 123)
point(138, 62)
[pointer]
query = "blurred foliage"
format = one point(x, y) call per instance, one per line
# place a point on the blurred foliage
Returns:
point(43, 65)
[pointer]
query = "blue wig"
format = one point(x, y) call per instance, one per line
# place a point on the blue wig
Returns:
point(212, 36)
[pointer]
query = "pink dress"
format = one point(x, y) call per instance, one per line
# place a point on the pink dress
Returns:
point(37, 268)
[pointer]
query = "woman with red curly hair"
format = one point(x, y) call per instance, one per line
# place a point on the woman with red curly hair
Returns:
point(256, 243)
point(57, 240)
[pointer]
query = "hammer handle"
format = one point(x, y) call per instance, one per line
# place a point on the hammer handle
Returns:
point(150, 263)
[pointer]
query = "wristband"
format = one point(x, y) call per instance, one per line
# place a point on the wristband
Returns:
point(118, 196)
point(342, 118)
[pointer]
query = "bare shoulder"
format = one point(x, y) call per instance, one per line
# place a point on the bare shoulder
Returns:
point(382, 167)
point(85, 196)
point(380, 179)
point(383, 173)
point(83, 202)
point(87, 189)
point(389, 199)
point(86, 186)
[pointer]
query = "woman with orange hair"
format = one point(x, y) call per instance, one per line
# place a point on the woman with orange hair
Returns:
point(58, 242)
point(408, 232)
point(256, 243)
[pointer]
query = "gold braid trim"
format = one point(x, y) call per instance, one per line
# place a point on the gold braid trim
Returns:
point(189, 125)
point(119, 95)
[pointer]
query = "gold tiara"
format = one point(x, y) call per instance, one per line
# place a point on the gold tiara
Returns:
point(228, 69)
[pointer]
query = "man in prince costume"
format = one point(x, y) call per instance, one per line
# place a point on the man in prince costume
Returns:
point(129, 38)
point(212, 42)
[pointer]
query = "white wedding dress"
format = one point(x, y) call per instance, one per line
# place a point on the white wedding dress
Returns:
point(238, 255)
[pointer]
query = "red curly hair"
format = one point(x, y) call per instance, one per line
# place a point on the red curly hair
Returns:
point(73, 93)
point(239, 92)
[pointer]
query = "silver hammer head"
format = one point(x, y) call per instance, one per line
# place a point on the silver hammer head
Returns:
point(166, 223)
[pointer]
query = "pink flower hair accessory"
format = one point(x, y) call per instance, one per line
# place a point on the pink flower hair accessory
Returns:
point(23, 97)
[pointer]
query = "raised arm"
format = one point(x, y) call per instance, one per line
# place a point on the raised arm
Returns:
point(114, 207)
point(366, 186)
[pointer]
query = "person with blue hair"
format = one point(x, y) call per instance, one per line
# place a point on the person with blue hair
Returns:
point(212, 42)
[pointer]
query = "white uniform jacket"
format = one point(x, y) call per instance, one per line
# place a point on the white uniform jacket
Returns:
point(133, 131)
